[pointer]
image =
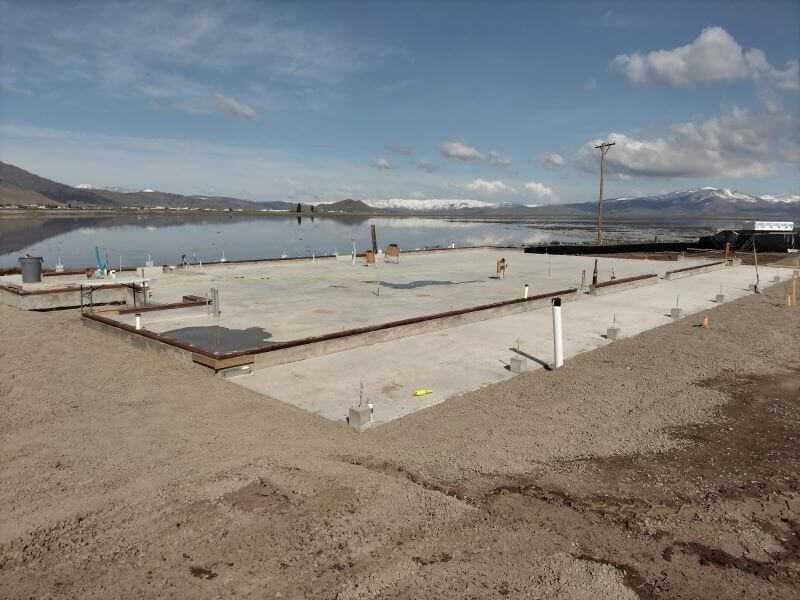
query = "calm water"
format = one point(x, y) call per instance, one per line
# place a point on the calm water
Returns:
point(131, 239)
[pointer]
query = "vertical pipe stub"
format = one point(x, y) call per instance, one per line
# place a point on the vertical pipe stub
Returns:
point(138, 321)
point(558, 340)
point(526, 290)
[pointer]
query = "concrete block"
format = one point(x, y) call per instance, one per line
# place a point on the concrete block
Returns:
point(612, 333)
point(518, 364)
point(360, 418)
point(751, 287)
point(733, 262)
point(676, 313)
point(720, 298)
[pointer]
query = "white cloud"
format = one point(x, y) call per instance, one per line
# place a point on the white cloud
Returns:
point(124, 50)
point(488, 187)
point(460, 150)
point(234, 107)
point(9, 82)
point(737, 143)
point(402, 149)
point(550, 160)
point(495, 158)
point(540, 190)
point(381, 164)
point(428, 166)
point(714, 56)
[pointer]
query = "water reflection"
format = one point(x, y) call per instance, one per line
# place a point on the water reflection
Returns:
point(131, 240)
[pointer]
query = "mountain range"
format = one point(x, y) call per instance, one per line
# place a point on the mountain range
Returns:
point(21, 188)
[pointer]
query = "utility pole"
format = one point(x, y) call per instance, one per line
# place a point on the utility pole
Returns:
point(604, 148)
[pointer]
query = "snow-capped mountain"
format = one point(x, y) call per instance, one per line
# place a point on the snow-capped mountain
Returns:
point(784, 198)
point(108, 188)
point(706, 202)
point(707, 195)
point(430, 204)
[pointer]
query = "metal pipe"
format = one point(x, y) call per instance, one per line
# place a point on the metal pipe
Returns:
point(558, 340)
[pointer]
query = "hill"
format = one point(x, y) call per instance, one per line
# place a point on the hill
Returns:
point(702, 202)
point(347, 206)
point(20, 187)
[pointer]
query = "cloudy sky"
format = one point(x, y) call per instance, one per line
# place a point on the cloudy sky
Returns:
point(322, 101)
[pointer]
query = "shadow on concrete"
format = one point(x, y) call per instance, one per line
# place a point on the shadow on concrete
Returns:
point(421, 283)
point(539, 361)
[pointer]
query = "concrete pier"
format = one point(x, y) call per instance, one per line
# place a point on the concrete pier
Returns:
point(518, 364)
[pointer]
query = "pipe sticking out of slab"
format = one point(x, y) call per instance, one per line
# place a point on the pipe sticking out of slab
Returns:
point(558, 339)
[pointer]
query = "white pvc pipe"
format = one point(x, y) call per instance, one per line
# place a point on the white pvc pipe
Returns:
point(526, 290)
point(558, 340)
point(138, 322)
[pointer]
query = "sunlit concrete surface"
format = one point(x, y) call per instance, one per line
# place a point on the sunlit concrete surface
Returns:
point(294, 300)
point(470, 356)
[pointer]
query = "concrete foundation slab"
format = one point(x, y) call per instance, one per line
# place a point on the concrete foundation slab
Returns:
point(279, 302)
point(467, 357)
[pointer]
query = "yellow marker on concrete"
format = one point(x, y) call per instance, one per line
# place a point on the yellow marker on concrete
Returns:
point(421, 392)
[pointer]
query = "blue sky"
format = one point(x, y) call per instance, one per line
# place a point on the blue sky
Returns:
point(320, 101)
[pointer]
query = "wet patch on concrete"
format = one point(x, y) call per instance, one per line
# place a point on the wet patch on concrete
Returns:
point(221, 339)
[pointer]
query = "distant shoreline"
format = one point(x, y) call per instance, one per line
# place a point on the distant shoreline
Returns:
point(191, 214)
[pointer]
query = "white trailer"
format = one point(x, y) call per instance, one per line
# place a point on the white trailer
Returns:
point(769, 226)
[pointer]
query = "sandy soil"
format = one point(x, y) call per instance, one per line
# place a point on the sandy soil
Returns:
point(662, 466)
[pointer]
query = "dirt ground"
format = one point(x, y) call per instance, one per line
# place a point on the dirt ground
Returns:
point(662, 466)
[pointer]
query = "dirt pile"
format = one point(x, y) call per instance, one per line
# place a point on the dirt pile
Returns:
point(662, 466)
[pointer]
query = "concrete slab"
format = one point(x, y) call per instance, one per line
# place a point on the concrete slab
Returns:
point(467, 357)
point(294, 300)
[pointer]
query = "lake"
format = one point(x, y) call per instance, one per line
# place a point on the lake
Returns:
point(131, 239)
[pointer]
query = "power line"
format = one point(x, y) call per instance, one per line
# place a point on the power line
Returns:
point(604, 148)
